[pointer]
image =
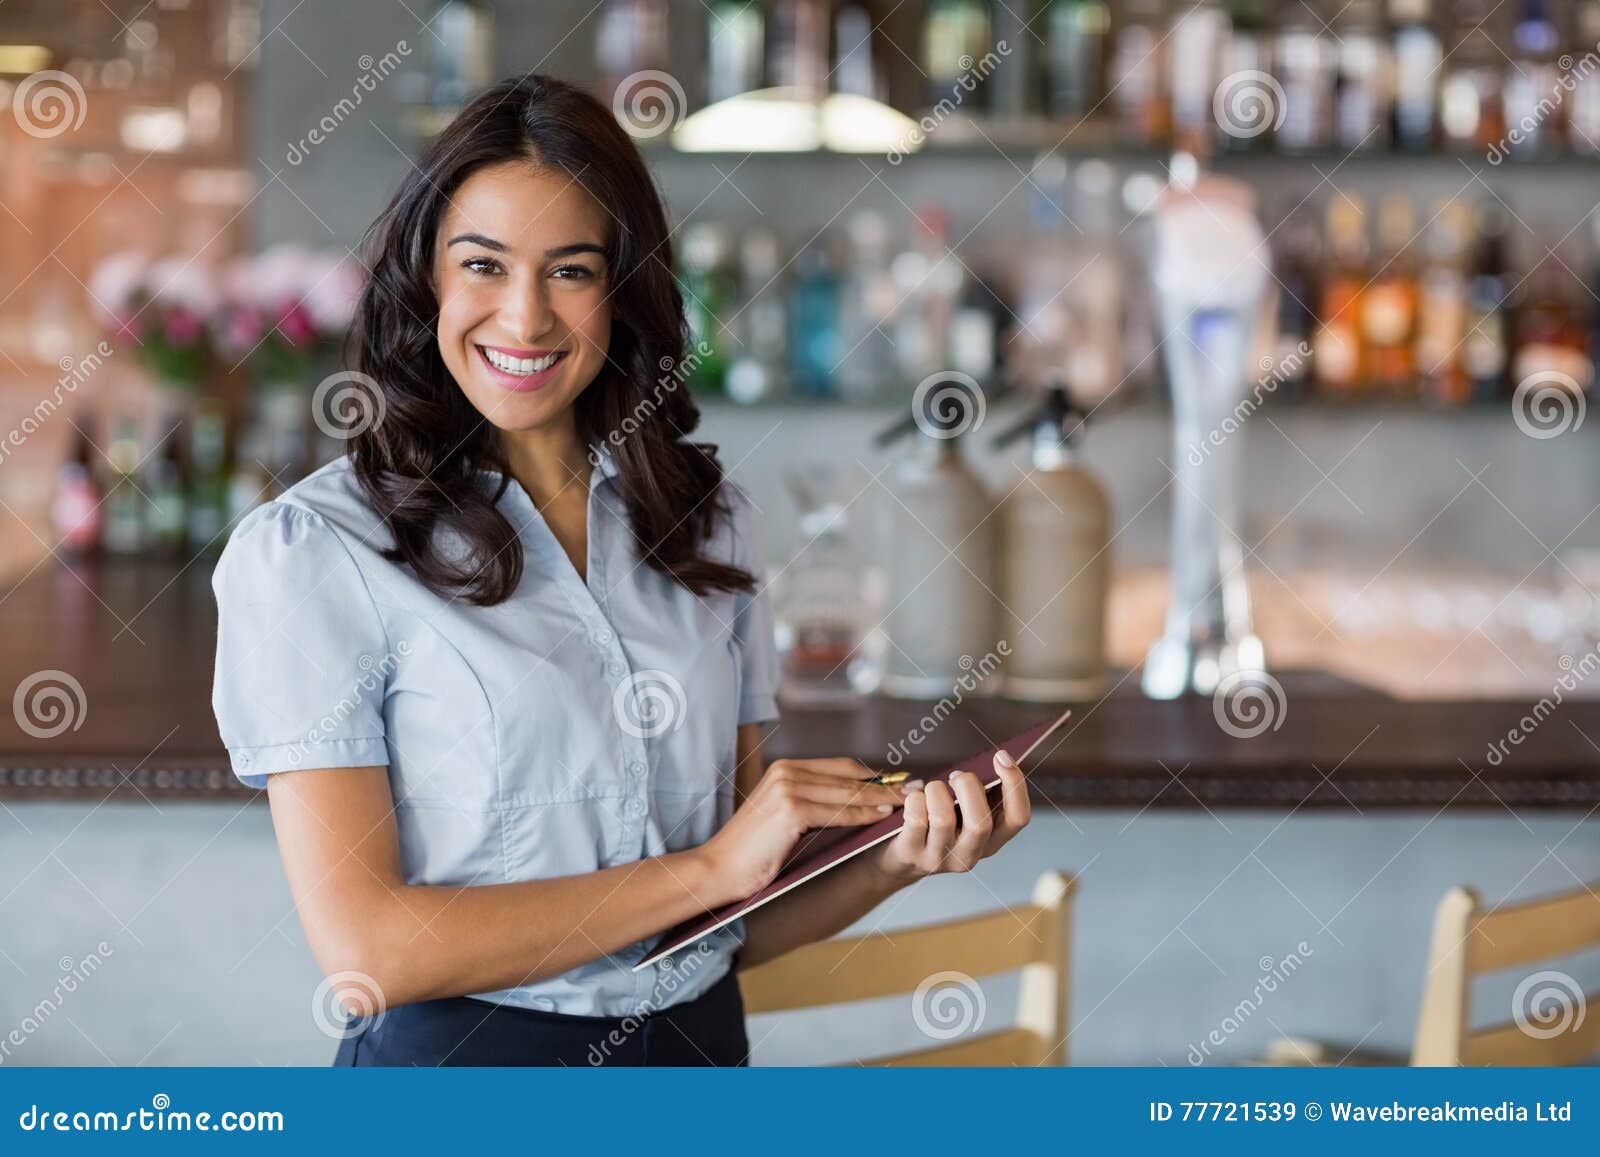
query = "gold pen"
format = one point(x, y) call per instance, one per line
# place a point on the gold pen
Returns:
point(890, 777)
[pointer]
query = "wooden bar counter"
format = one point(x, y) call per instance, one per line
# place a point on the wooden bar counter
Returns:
point(139, 637)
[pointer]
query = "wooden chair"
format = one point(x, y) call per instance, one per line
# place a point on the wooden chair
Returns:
point(1035, 938)
point(1468, 941)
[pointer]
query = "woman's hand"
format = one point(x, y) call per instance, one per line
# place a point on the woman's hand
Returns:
point(791, 798)
point(930, 843)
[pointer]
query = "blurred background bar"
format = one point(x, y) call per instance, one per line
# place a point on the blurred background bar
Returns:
point(917, 244)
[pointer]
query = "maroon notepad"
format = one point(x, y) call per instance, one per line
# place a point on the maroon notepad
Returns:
point(826, 848)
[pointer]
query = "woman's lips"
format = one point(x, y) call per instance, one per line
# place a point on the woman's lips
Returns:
point(518, 382)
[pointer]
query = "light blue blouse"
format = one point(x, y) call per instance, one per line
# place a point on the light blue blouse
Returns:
point(580, 724)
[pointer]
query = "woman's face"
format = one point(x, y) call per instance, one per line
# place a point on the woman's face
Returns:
point(524, 311)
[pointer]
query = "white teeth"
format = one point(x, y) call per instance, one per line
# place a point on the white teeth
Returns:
point(520, 366)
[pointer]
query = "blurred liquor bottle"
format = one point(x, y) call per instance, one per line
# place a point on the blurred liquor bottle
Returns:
point(956, 34)
point(1198, 36)
point(1471, 110)
point(1138, 72)
point(632, 38)
point(1417, 56)
point(735, 48)
point(1248, 49)
point(1534, 96)
point(1389, 302)
point(797, 47)
point(1306, 68)
point(1487, 353)
point(1077, 35)
point(1363, 88)
point(1442, 316)
point(75, 507)
point(707, 285)
point(1340, 368)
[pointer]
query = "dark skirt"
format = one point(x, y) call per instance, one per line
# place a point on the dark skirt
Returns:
point(461, 1030)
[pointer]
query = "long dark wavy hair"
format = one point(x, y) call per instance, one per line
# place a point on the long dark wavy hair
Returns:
point(417, 464)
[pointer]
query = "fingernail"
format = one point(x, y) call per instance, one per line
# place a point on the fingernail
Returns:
point(911, 785)
point(884, 807)
point(1004, 759)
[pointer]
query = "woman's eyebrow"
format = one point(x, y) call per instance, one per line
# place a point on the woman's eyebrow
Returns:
point(479, 239)
point(575, 248)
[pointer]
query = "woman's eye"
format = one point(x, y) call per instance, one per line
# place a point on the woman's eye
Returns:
point(573, 272)
point(481, 265)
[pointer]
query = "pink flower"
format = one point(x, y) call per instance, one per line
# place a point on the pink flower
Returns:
point(296, 327)
point(182, 327)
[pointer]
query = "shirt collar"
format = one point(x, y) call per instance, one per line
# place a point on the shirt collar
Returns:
point(603, 466)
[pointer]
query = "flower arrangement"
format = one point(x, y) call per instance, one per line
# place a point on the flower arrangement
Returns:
point(282, 312)
point(165, 307)
point(287, 310)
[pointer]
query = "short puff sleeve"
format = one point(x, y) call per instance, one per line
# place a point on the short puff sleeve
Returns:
point(302, 656)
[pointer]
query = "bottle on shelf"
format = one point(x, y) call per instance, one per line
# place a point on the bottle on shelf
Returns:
point(929, 278)
point(858, 65)
point(797, 47)
point(1197, 37)
point(707, 296)
point(955, 34)
point(125, 499)
point(1298, 294)
point(1552, 343)
point(1307, 69)
point(815, 343)
point(208, 478)
point(1248, 49)
point(1076, 34)
point(756, 369)
point(1471, 111)
point(1337, 347)
point(1363, 87)
point(1418, 56)
point(1583, 134)
point(1534, 99)
point(1055, 562)
point(1389, 302)
point(631, 38)
point(166, 481)
point(1442, 316)
point(735, 48)
point(1137, 72)
point(1486, 353)
point(75, 507)
point(866, 314)
point(461, 51)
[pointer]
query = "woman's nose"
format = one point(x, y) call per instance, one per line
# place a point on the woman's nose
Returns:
point(527, 313)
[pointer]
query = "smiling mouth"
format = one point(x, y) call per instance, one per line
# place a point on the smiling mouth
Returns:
point(520, 367)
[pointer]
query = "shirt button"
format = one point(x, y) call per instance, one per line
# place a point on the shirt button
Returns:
point(603, 636)
point(616, 668)
point(636, 766)
point(635, 807)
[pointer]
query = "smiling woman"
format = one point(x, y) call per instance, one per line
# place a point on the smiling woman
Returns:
point(502, 672)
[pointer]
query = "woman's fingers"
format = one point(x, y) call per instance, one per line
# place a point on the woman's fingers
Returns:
point(839, 767)
point(976, 822)
point(941, 823)
point(837, 790)
point(1013, 810)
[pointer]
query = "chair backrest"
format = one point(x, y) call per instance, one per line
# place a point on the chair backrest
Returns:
point(1035, 938)
point(1549, 1024)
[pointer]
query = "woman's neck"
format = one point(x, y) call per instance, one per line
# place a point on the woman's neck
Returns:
point(548, 462)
